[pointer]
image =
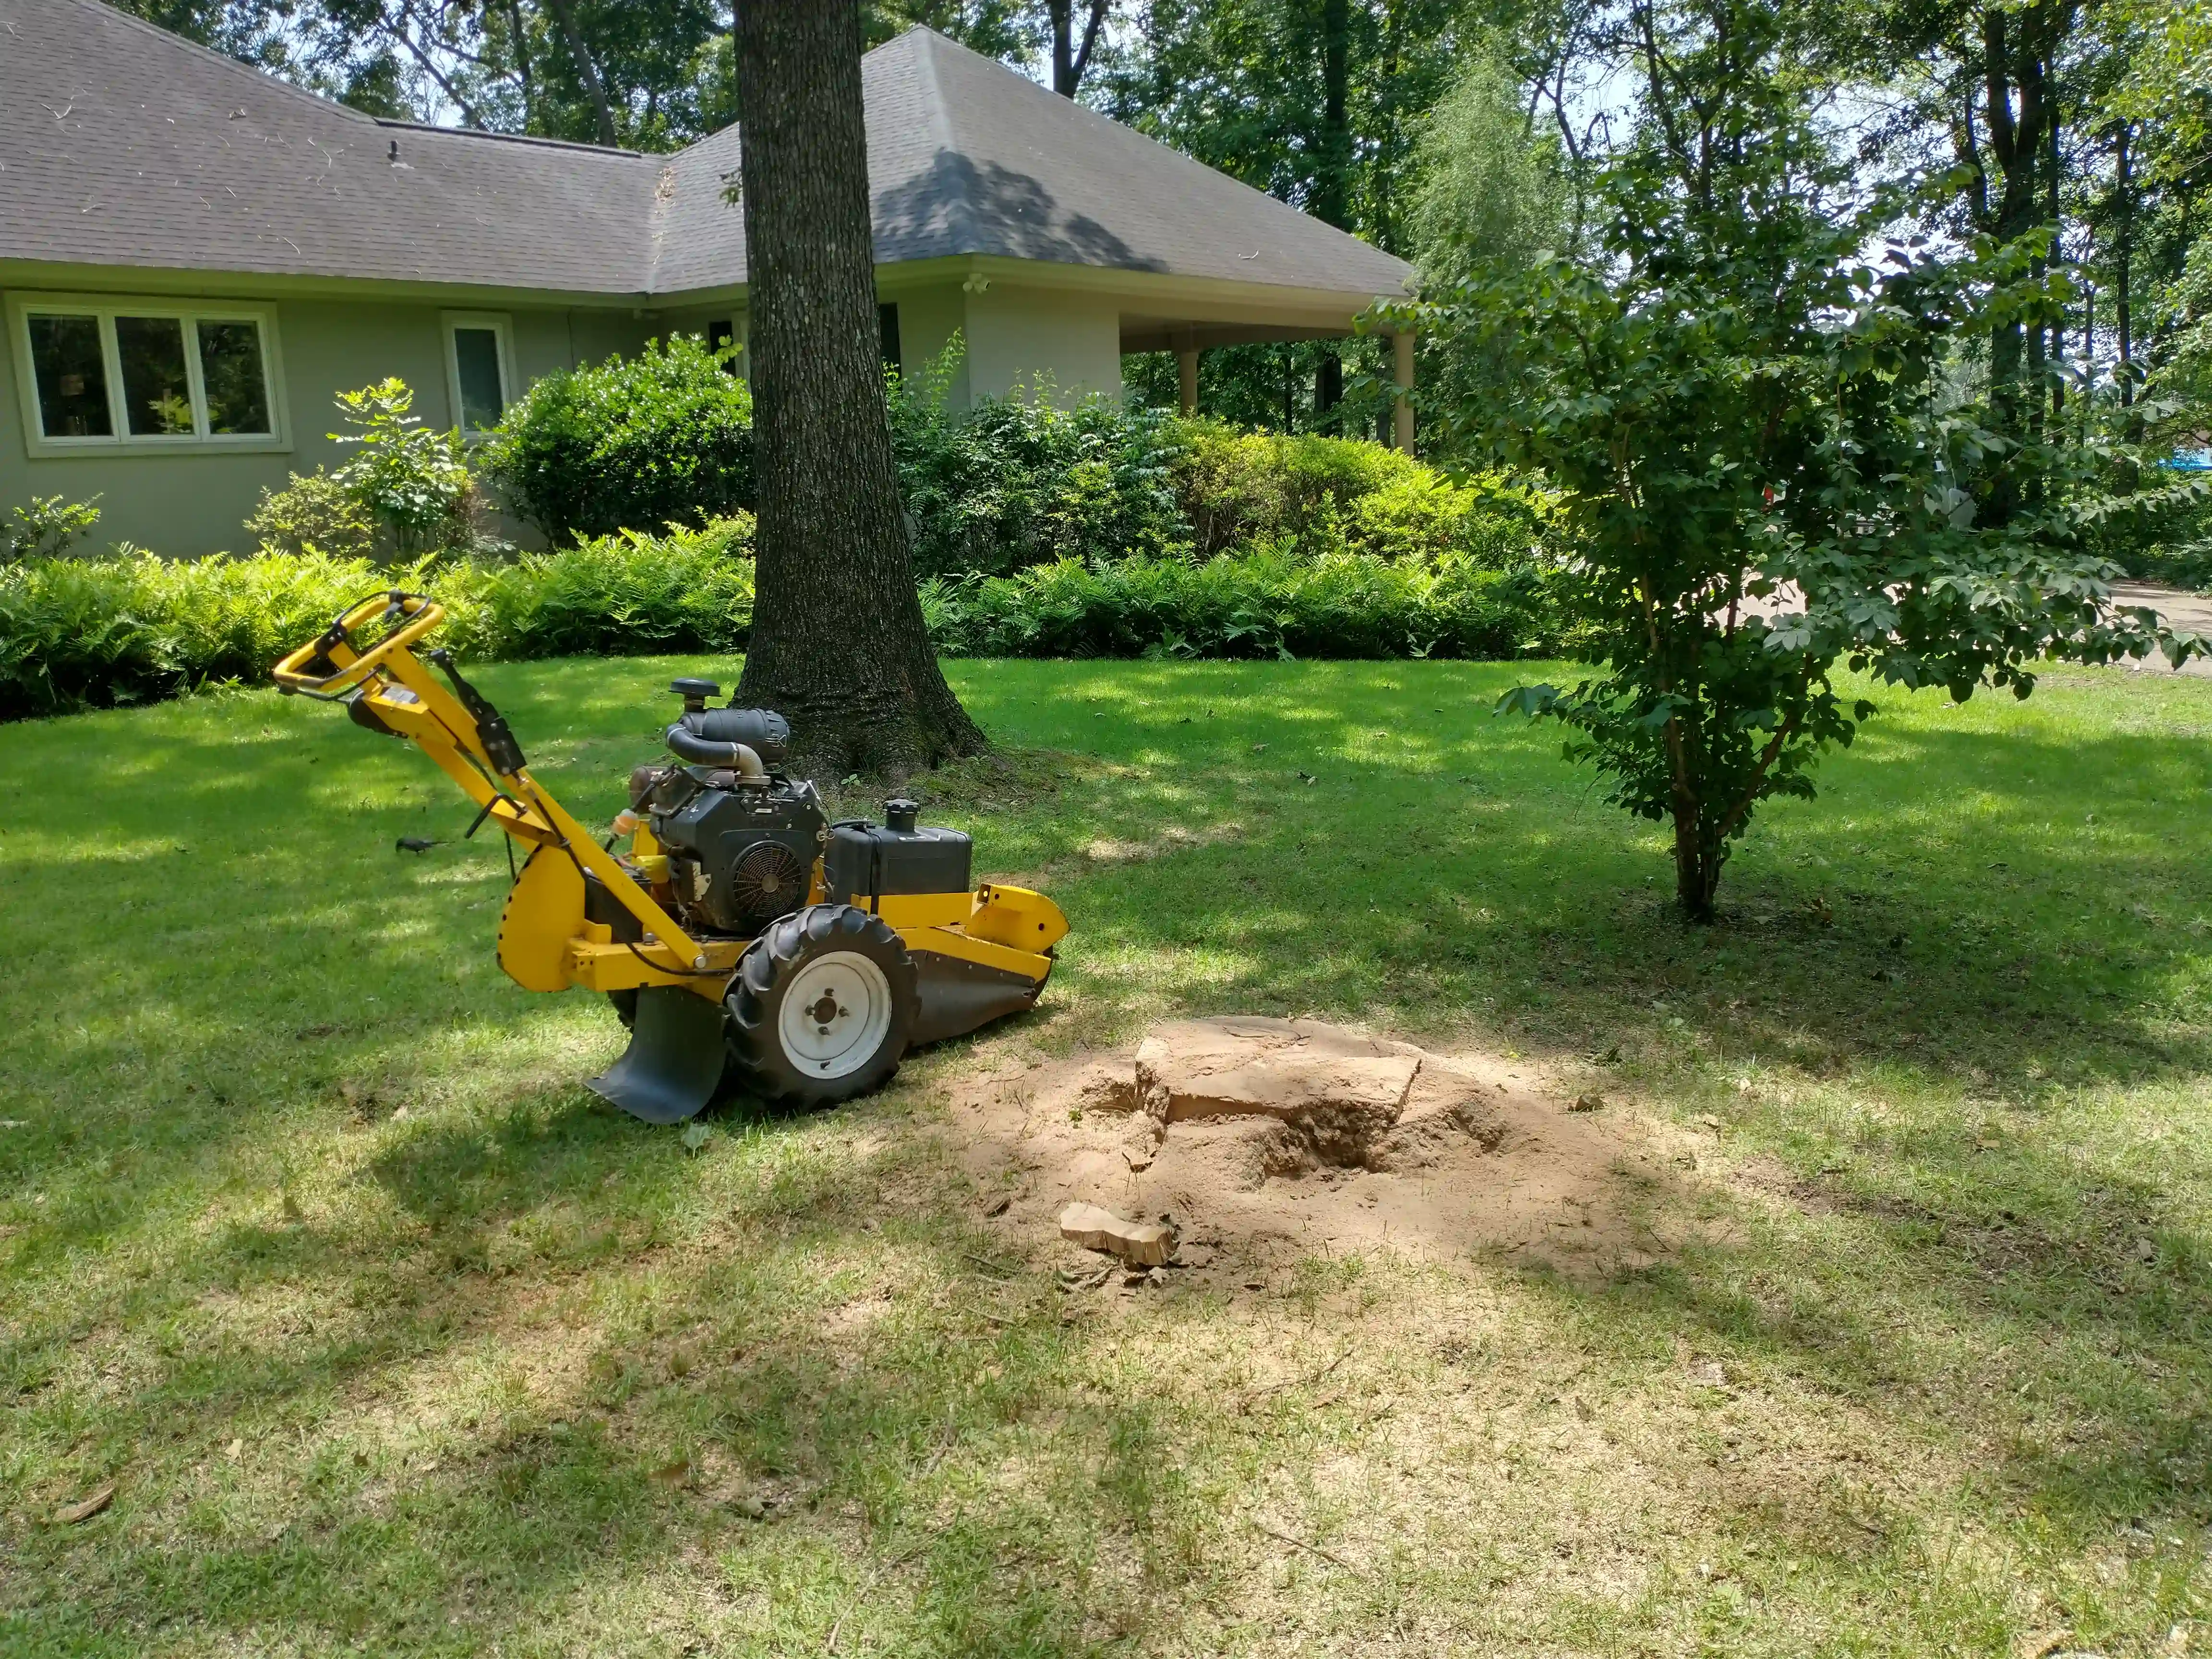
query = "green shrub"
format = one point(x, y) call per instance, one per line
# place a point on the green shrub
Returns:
point(412, 480)
point(665, 437)
point(1006, 483)
point(1267, 602)
point(2168, 540)
point(1236, 489)
point(90, 633)
point(47, 526)
point(1017, 482)
point(627, 594)
point(314, 511)
point(80, 633)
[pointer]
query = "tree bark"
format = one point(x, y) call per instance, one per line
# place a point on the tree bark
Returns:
point(838, 640)
point(564, 13)
point(2019, 46)
point(2123, 248)
point(1333, 183)
point(522, 63)
point(1070, 60)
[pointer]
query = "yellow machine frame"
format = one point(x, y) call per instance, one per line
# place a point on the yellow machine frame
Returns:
point(545, 942)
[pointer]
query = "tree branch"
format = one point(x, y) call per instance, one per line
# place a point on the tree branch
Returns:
point(564, 13)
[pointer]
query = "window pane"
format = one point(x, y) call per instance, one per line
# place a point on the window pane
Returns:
point(230, 373)
point(157, 401)
point(476, 353)
point(72, 380)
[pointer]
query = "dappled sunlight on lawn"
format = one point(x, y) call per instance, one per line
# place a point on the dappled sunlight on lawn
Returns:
point(390, 1334)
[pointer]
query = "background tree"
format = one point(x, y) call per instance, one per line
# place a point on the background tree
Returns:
point(1767, 469)
point(838, 640)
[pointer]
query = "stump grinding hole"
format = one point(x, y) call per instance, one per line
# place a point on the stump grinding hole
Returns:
point(1263, 1141)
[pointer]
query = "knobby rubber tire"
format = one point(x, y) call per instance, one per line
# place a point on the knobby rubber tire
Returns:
point(754, 1002)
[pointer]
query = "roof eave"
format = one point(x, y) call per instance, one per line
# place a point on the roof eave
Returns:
point(216, 280)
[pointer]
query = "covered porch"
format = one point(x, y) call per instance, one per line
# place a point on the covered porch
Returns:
point(1188, 337)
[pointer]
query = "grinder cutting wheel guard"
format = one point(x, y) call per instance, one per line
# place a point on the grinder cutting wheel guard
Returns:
point(741, 934)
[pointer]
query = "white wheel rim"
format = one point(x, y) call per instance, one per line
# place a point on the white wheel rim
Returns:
point(834, 1015)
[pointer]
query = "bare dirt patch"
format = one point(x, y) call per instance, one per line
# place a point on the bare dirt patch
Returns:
point(1263, 1141)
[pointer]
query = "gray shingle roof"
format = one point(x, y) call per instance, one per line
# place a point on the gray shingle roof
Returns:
point(121, 144)
point(124, 145)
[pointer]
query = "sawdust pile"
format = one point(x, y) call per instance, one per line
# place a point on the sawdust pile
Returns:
point(1262, 1140)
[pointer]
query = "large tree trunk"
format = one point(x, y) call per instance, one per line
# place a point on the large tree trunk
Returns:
point(1333, 182)
point(2124, 254)
point(2019, 46)
point(838, 642)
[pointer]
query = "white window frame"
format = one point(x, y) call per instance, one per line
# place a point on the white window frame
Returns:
point(121, 440)
point(497, 322)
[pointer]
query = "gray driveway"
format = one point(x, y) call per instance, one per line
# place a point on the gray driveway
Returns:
point(2183, 612)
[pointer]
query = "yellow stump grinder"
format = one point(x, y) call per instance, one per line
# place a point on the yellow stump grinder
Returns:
point(741, 932)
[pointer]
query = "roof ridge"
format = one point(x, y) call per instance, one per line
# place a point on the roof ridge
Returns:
point(270, 79)
point(940, 115)
point(518, 138)
point(1084, 111)
point(261, 76)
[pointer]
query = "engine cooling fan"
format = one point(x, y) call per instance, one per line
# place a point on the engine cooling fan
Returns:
point(767, 882)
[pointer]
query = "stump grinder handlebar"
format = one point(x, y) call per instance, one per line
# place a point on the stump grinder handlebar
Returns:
point(366, 660)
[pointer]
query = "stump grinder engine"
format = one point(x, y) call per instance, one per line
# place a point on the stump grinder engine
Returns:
point(742, 932)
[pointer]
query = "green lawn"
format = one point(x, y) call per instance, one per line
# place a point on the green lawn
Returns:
point(393, 1339)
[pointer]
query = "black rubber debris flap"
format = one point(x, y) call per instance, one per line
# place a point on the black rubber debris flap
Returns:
point(674, 1061)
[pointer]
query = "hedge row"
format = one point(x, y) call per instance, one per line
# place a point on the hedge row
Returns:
point(91, 633)
point(1264, 604)
point(81, 633)
point(1000, 485)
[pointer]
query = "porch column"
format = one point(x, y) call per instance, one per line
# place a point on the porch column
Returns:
point(1186, 377)
point(1401, 416)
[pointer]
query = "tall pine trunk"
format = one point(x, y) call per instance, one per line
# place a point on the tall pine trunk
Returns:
point(838, 642)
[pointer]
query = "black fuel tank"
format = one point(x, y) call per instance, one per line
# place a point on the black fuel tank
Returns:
point(864, 858)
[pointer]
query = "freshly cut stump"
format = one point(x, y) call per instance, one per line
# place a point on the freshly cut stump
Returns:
point(1145, 1243)
point(1260, 1141)
point(1340, 1091)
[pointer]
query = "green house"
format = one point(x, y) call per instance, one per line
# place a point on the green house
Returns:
point(195, 257)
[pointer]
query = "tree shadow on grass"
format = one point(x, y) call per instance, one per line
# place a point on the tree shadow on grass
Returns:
point(1940, 925)
point(705, 1360)
point(1875, 925)
point(1463, 888)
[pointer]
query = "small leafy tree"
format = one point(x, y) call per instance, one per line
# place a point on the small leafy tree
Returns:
point(46, 524)
point(1768, 474)
point(415, 481)
point(312, 511)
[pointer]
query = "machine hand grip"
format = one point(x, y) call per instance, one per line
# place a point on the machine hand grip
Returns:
point(313, 670)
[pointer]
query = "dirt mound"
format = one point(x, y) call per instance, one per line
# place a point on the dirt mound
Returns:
point(1266, 1138)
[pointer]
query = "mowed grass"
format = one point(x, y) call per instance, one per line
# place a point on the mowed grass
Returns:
point(392, 1338)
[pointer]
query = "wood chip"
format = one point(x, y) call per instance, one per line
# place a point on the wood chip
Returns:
point(85, 1508)
point(1145, 1243)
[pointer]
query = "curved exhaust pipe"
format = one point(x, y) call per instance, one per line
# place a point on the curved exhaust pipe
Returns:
point(688, 746)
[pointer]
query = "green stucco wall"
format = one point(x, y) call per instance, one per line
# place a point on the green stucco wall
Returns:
point(1017, 340)
point(191, 503)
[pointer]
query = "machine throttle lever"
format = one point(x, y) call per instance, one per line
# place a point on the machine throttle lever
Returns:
point(492, 730)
